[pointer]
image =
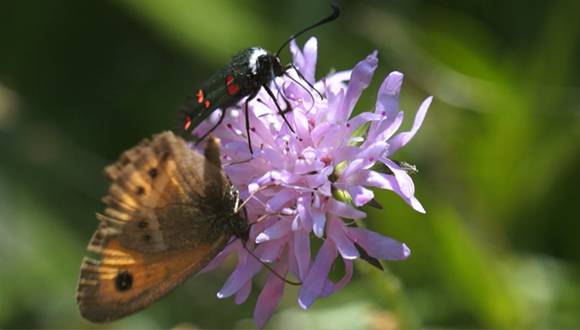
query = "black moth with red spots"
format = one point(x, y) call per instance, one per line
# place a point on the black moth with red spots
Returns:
point(244, 76)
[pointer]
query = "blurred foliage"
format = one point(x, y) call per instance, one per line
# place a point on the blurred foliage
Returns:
point(498, 154)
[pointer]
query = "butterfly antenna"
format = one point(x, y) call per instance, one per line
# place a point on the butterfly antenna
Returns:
point(330, 18)
point(268, 267)
point(252, 195)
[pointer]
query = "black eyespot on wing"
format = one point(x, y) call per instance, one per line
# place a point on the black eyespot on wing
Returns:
point(153, 173)
point(146, 237)
point(140, 190)
point(142, 224)
point(123, 281)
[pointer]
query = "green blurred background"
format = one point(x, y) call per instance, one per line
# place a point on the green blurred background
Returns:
point(80, 81)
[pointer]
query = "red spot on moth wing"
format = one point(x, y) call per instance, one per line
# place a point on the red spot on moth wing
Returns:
point(200, 96)
point(207, 104)
point(233, 88)
point(187, 122)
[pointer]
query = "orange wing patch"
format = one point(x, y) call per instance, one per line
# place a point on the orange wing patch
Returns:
point(126, 281)
point(156, 229)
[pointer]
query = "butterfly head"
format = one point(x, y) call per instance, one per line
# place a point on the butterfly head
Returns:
point(237, 222)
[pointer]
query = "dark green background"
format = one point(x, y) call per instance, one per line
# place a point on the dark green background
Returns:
point(498, 154)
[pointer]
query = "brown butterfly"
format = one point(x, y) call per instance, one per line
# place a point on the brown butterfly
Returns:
point(169, 211)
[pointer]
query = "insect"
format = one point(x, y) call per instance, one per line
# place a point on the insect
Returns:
point(169, 211)
point(247, 72)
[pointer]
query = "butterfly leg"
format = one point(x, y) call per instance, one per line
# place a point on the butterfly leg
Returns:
point(280, 111)
point(272, 270)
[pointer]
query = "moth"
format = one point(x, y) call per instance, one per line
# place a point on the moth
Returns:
point(169, 211)
point(248, 71)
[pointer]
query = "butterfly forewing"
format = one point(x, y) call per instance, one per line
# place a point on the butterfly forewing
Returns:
point(165, 219)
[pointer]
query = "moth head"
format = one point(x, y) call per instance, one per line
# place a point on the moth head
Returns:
point(271, 64)
point(264, 64)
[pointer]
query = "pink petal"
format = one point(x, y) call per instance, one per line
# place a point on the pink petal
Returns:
point(343, 244)
point(351, 169)
point(280, 229)
point(416, 205)
point(273, 155)
point(348, 270)
point(297, 56)
point(377, 245)
point(344, 210)
point(333, 137)
point(310, 52)
point(330, 288)
point(260, 130)
point(362, 118)
point(270, 296)
point(292, 262)
point(372, 153)
point(347, 153)
point(219, 259)
point(300, 95)
point(360, 195)
point(359, 81)
point(402, 139)
point(404, 180)
point(325, 189)
point(389, 182)
point(241, 172)
point(381, 180)
point(302, 252)
point(270, 250)
point(388, 96)
point(387, 128)
point(301, 125)
point(245, 270)
point(243, 293)
point(314, 282)
point(337, 77)
point(302, 204)
point(319, 219)
point(319, 132)
point(279, 200)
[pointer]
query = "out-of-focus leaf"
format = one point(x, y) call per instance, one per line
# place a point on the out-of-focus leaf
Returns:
point(214, 29)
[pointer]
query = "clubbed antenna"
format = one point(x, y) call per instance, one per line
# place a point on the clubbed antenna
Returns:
point(330, 18)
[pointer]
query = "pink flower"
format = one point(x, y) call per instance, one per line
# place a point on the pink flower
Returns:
point(294, 178)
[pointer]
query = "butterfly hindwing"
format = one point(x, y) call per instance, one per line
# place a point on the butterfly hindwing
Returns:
point(123, 281)
point(158, 227)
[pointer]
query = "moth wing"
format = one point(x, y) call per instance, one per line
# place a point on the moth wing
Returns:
point(156, 229)
point(216, 92)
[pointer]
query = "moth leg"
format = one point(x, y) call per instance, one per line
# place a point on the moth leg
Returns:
point(278, 107)
point(303, 87)
point(220, 120)
point(301, 76)
point(251, 97)
point(288, 106)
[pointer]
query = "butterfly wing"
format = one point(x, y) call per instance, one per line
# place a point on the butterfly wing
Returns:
point(157, 228)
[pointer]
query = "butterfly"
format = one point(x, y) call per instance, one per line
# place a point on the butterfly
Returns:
point(169, 211)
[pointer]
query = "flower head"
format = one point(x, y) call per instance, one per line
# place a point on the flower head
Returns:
point(294, 178)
